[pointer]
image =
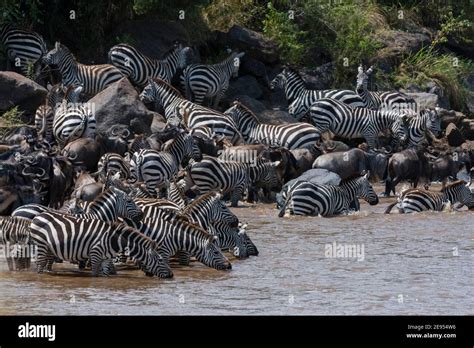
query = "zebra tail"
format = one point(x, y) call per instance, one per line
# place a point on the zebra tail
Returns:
point(390, 207)
point(283, 208)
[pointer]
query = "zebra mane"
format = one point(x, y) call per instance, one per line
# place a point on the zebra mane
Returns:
point(198, 201)
point(182, 220)
point(239, 104)
point(161, 82)
point(352, 177)
point(171, 50)
point(453, 185)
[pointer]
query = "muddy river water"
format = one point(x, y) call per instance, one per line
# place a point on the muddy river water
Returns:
point(367, 263)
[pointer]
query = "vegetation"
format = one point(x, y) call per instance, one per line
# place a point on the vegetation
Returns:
point(10, 118)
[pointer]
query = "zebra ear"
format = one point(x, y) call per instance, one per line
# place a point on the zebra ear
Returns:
point(360, 69)
point(149, 80)
point(240, 55)
point(276, 164)
point(218, 196)
point(57, 45)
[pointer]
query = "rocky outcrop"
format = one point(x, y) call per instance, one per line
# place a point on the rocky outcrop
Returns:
point(119, 104)
point(454, 136)
point(16, 89)
point(425, 100)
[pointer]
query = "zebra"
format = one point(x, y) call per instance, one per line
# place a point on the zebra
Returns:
point(77, 239)
point(209, 212)
point(156, 168)
point(44, 116)
point(138, 67)
point(15, 235)
point(300, 98)
point(428, 121)
point(24, 48)
point(345, 121)
point(177, 195)
point(307, 198)
point(291, 136)
point(93, 78)
point(210, 81)
point(73, 121)
point(389, 100)
point(417, 200)
point(173, 102)
point(232, 177)
point(112, 163)
point(174, 235)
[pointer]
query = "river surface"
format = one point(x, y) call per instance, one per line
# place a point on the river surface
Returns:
point(403, 264)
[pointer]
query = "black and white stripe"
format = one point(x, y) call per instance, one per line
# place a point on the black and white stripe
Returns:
point(138, 67)
point(306, 198)
point(77, 239)
point(300, 98)
point(417, 200)
point(158, 168)
point(112, 163)
point(233, 177)
point(93, 78)
point(345, 121)
point(24, 48)
point(197, 116)
point(291, 136)
point(418, 125)
point(210, 81)
point(15, 236)
point(389, 100)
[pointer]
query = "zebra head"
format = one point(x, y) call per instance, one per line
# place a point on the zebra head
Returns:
point(229, 239)
point(126, 207)
point(184, 56)
point(399, 127)
point(433, 121)
point(249, 245)
point(211, 255)
point(365, 189)
point(149, 93)
point(56, 55)
point(270, 176)
point(155, 265)
point(192, 149)
point(222, 213)
point(363, 79)
point(279, 81)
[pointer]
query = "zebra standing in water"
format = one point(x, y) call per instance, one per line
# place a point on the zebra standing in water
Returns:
point(73, 121)
point(138, 67)
point(24, 48)
point(157, 168)
point(76, 239)
point(307, 198)
point(345, 121)
point(416, 200)
point(300, 98)
point(390, 100)
point(233, 177)
point(210, 81)
point(93, 78)
point(419, 126)
point(197, 116)
point(15, 235)
point(291, 136)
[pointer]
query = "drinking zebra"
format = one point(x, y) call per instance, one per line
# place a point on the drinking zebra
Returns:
point(212, 174)
point(138, 67)
point(306, 198)
point(24, 48)
point(417, 200)
point(77, 239)
point(93, 78)
point(291, 136)
point(428, 121)
point(174, 235)
point(345, 121)
point(300, 98)
point(210, 81)
point(156, 168)
point(197, 116)
point(15, 235)
point(389, 100)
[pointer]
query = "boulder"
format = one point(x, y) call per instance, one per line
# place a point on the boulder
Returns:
point(16, 89)
point(253, 104)
point(244, 85)
point(454, 136)
point(320, 77)
point(425, 100)
point(275, 117)
point(253, 43)
point(395, 45)
point(467, 128)
point(119, 104)
point(450, 116)
point(252, 66)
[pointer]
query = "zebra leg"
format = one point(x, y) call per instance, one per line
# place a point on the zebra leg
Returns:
point(236, 196)
point(42, 258)
point(183, 257)
point(96, 262)
point(108, 268)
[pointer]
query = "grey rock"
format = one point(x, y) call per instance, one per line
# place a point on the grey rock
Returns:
point(16, 89)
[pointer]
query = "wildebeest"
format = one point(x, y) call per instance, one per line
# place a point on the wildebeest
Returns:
point(349, 163)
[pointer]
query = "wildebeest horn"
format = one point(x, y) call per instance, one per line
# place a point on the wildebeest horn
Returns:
point(125, 133)
point(113, 131)
point(329, 148)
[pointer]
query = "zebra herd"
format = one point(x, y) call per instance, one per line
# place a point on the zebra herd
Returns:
point(149, 198)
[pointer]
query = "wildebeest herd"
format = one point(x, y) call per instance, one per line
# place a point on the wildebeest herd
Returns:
point(98, 199)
